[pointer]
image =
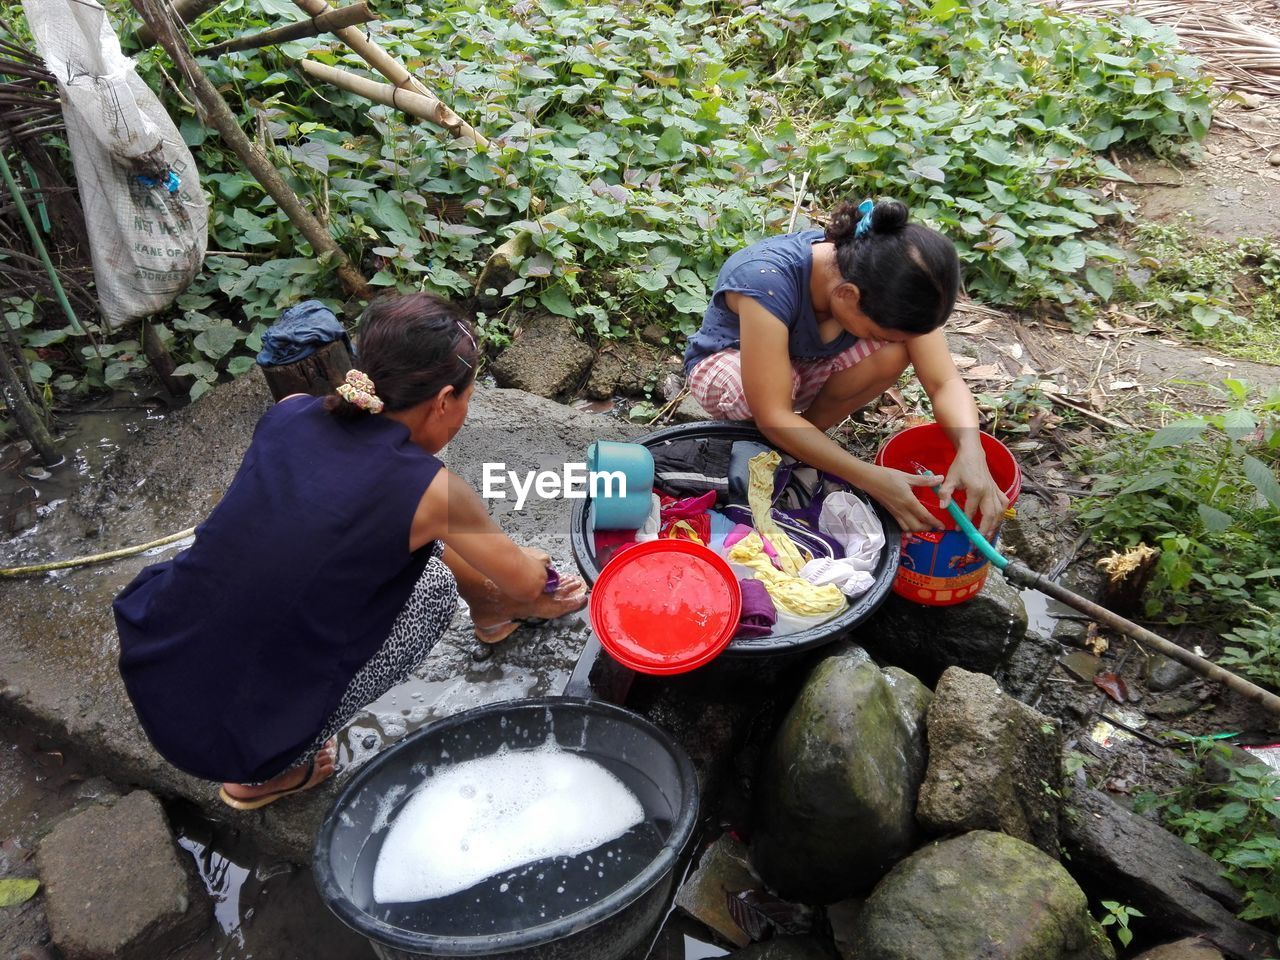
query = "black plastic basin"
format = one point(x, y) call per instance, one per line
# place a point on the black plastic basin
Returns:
point(857, 612)
point(525, 918)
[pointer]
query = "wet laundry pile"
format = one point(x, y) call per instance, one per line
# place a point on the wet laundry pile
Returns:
point(802, 542)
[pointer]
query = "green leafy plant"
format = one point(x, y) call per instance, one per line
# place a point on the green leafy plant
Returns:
point(1204, 490)
point(1232, 819)
point(639, 143)
point(1222, 293)
point(1119, 915)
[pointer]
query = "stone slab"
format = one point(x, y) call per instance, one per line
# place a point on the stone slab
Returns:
point(113, 884)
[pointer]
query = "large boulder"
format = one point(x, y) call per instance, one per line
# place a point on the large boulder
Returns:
point(993, 764)
point(627, 368)
point(1192, 948)
point(546, 358)
point(1172, 883)
point(982, 895)
point(114, 887)
point(978, 634)
point(836, 796)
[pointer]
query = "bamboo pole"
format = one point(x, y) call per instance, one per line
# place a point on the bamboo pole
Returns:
point(38, 243)
point(329, 22)
point(1023, 576)
point(394, 71)
point(219, 116)
point(187, 11)
point(407, 101)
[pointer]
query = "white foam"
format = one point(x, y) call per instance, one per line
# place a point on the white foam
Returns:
point(485, 816)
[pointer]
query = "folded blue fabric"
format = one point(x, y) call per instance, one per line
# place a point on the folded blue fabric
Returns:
point(299, 332)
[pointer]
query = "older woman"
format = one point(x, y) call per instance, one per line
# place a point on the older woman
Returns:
point(329, 570)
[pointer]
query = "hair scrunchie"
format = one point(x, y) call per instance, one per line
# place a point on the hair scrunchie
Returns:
point(866, 208)
point(357, 390)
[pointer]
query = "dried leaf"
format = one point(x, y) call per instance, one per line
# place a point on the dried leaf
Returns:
point(1113, 686)
point(758, 913)
point(1094, 642)
point(979, 326)
point(1122, 385)
point(14, 891)
point(1216, 362)
point(988, 371)
point(964, 363)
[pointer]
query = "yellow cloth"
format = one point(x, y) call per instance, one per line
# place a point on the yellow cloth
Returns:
point(760, 471)
point(794, 595)
point(683, 530)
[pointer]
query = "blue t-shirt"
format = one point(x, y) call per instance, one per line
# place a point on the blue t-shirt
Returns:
point(237, 650)
point(775, 272)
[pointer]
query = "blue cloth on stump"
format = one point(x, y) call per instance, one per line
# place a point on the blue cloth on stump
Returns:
point(299, 332)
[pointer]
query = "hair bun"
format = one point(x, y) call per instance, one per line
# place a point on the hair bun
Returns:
point(889, 216)
point(843, 222)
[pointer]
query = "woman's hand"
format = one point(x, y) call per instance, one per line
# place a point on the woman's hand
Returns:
point(895, 490)
point(969, 473)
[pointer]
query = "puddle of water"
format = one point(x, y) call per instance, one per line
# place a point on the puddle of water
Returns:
point(30, 494)
point(1043, 613)
point(264, 909)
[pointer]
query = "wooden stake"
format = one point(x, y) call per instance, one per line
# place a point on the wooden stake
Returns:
point(329, 22)
point(219, 116)
point(187, 11)
point(392, 69)
point(407, 101)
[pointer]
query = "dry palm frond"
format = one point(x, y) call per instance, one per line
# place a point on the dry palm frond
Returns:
point(1240, 56)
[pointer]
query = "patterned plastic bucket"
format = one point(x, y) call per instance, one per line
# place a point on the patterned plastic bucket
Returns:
point(941, 568)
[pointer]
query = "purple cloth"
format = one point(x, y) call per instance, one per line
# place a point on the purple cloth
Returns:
point(758, 612)
point(553, 580)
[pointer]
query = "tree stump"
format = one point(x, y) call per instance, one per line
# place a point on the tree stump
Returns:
point(318, 374)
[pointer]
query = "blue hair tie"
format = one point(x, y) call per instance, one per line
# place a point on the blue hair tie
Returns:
point(866, 208)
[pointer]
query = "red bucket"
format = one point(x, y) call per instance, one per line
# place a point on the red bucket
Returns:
point(940, 568)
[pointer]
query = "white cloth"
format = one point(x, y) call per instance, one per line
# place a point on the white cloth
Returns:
point(653, 523)
point(851, 522)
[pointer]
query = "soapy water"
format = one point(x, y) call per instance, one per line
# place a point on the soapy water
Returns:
point(531, 878)
point(490, 815)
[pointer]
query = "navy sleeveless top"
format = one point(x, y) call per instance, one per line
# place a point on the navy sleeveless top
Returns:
point(237, 650)
point(775, 272)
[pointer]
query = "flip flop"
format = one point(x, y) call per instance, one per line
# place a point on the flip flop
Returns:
point(310, 779)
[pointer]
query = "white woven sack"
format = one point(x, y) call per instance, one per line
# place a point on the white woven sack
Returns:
point(143, 207)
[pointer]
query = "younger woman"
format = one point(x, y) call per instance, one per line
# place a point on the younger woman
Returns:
point(329, 569)
point(807, 327)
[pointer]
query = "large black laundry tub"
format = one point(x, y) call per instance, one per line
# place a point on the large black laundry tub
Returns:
point(858, 611)
point(534, 919)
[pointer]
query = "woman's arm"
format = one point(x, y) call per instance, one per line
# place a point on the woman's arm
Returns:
point(957, 414)
point(766, 378)
point(453, 512)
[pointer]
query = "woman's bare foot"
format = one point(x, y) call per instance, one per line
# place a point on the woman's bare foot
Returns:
point(569, 597)
point(244, 796)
